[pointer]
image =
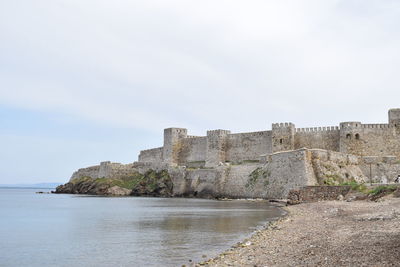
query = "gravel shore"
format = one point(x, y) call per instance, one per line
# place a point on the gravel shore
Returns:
point(331, 233)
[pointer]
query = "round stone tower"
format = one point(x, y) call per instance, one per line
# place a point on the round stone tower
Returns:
point(394, 116)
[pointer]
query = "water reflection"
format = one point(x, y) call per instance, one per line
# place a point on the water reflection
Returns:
point(65, 230)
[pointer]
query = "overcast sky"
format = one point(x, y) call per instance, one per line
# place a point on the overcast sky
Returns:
point(87, 81)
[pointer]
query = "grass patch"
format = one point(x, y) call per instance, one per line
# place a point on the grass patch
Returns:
point(382, 189)
point(82, 180)
point(356, 186)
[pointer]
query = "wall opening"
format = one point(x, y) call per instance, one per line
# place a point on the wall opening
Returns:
point(357, 136)
point(348, 136)
point(281, 141)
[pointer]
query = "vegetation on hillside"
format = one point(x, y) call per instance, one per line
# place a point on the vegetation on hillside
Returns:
point(150, 183)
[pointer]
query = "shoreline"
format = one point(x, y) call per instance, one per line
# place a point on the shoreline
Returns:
point(327, 233)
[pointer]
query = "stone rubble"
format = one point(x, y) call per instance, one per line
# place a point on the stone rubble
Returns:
point(327, 233)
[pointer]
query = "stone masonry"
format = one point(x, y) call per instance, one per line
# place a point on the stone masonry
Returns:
point(220, 146)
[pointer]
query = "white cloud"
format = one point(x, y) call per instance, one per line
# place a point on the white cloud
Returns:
point(202, 64)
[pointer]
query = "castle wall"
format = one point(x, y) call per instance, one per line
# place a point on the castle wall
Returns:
point(283, 171)
point(202, 182)
point(318, 137)
point(235, 182)
point(221, 181)
point(216, 147)
point(92, 172)
point(370, 139)
point(288, 170)
point(106, 169)
point(151, 155)
point(193, 150)
point(273, 178)
point(248, 146)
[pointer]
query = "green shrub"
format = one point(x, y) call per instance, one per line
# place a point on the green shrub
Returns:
point(382, 189)
point(329, 181)
point(256, 175)
point(355, 186)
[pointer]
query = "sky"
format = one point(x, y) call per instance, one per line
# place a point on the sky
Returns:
point(88, 81)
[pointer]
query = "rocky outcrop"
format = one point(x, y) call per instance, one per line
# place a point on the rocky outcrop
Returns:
point(118, 191)
point(84, 185)
point(151, 183)
point(154, 184)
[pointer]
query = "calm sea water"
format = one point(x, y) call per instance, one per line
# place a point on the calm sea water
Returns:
point(70, 230)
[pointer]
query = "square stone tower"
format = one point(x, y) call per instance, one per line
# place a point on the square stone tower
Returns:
point(172, 143)
point(283, 136)
point(394, 117)
point(216, 147)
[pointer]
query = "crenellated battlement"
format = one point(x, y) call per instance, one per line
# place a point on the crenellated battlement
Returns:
point(317, 129)
point(192, 136)
point(359, 125)
point(282, 125)
point(377, 126)
point(250, 134)
point(176, 130)
point(218, 132)
point(350, 125)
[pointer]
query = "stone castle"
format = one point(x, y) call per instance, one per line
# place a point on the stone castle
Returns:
point(221, 146)
point(268, 164)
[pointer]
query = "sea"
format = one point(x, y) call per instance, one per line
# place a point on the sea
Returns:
point(79, 230)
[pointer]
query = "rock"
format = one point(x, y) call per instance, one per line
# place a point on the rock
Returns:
point(118, 191)
point(396, 193)
point(64, 189)
point(154, 184)
point(294, 197)
point(355, 195)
